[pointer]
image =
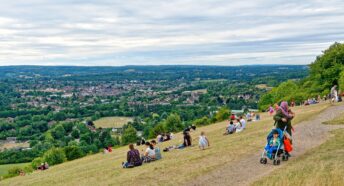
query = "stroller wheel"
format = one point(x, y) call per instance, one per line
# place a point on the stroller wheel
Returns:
point(285, 157)
point(261, 160)
point(265, 160)
point(278, 162)
point(275, 162)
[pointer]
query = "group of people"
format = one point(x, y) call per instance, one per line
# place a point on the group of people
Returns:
point(43, 166)
point(235, 125)
point(164, 137)
point(134, 158)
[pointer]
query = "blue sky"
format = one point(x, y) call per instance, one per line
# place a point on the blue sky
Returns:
point(187, 32)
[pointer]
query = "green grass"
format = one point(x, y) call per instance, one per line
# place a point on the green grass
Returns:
point(176, 167)
point(322, 165)
point(6, 167)
point(109, 122)
point(336, 121)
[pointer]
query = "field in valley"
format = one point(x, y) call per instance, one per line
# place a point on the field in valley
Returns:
point(109, 122)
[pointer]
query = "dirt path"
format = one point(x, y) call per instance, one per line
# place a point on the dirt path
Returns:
point(307, 135)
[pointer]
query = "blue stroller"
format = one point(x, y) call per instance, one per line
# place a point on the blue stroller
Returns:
point(274, 152)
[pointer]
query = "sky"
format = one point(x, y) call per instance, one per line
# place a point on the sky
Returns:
point(180, 32)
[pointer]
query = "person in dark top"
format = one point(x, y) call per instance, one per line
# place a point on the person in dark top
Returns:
point(133, 158)
point(187, 139)
point(187, 130)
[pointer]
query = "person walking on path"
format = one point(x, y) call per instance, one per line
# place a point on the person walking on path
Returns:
point(283, 117)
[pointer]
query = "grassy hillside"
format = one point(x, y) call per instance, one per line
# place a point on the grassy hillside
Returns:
point(6, 167)
point(323, 165)
point(176, 167)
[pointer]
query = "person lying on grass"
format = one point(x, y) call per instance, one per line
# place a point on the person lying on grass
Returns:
point(203, 141)
point(133, 158)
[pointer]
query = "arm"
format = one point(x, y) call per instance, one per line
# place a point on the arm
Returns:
point(278, 116)
point(128, 156)
point(207, 141)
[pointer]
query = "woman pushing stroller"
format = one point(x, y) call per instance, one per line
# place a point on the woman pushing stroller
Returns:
point(283, 118)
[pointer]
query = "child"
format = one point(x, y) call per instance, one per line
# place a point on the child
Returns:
point(275, 142)
point(203, 141)
point(273, 145)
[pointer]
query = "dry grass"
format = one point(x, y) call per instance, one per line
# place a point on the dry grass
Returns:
point(4, 168)
point(109, 122)
point(176, 167)
point(323, 165)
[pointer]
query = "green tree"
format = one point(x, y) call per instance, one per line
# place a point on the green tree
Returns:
point(173, 123)
point(222, 114)
point(55, 156)
point(73, 152)
point(129, 135)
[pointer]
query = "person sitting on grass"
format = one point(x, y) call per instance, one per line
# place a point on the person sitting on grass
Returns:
point(41, 167)
point(238, 126)
point(231, 128)
point(157, 150)
point(187, 141)
point(46, 165)
point(203, 141)
point(149, 154)
point(133, 158)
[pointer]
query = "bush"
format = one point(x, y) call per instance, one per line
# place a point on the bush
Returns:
point(222, 114)
point(73, 152)
point(129, 135)
point(173, 123)
point(37, 162)
point(202, 121)
point(12, 172)
point(55, 156)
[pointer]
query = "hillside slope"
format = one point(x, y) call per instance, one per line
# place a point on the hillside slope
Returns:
point(185, 166)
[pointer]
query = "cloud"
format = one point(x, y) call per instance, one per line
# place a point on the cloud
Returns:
point(208, 32)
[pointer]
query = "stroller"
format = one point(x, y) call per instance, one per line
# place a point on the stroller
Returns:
point(274, 153)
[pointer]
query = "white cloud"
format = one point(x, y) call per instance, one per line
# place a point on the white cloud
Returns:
point(160, 32)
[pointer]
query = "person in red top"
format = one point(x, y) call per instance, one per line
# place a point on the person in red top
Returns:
point(232, 117)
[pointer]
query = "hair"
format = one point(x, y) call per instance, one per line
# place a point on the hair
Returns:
point(240, 117)
point(202, 133)
point(131, 146)
point(150, 145)
point(275, 132)
point(231, 122)
point(153, 142)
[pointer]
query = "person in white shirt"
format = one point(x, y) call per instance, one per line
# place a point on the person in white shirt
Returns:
point(238, 126)
point(203, 141)
point(149, 154)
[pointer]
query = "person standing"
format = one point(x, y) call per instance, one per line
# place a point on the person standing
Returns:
point(283, 117)
point(334, 94)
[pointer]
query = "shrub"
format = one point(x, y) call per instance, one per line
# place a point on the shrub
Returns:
point(73, 152)
point(222, 114)
point(37, 162)
point(129, 135)
point(55, 156)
